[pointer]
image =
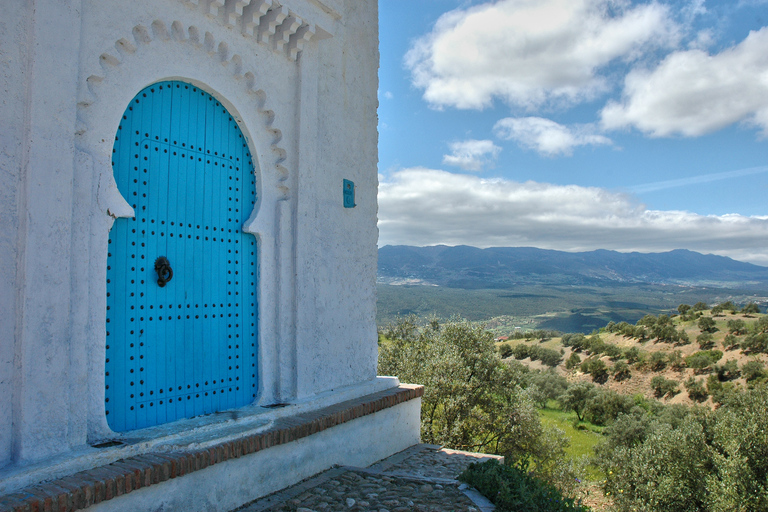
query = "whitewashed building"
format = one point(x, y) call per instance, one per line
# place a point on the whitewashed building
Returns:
point(188, 247)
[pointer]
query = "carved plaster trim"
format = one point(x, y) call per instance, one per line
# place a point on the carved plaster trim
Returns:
point(265, 21)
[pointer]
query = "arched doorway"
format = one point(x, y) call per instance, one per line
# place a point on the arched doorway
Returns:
point(186, 346)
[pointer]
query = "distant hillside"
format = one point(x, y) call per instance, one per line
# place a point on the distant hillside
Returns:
point(505, 267)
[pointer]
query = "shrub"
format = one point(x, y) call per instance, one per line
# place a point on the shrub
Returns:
point(663, 387)
point(753, 370)
point(696, 390)
point(750, 309)
point(727, 306)
point(718, 390)
point(621, 371)
point(606, 405)
point(599, 371)
point(728, 370)
point(676, 360)
point(737, 481)
point(576, 398)
point(761, 325)
point(755, 342)
point(730, 342)
point(550, 383)
point(700, 306)
point(658, 361)
point(664, 473)
point(614, 352)
point(737, 326)
point(595, 345)
point(572, 339)
point(548, 356)
point(573, 361)
point(705, 340)
point(703, 361)
point(647, 321)
point(520, 351)
point(505, 350)
point(632, 354)
point(707, 324)
point(512, 488)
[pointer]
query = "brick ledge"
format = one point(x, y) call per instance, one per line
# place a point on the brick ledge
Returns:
point(86, 488)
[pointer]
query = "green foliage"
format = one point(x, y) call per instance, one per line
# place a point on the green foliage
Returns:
point(572, 339)
point(621, 371)
point(700, 306)
point(718, 390)
point(750, 309)
point(606, 405)
point(664, 387)
point(576, 398)
point(658, 361)
point(550, 386)
point(632, 354)
point(737, 326)
point(472, 400)
point(705, 340)
point(664, 473)
point(465, 382)
point(730, 342)
point(727, 306)
point(547, 356)
point(675, 360)
point(703, 361)
point(753, 370)
point(761, 325)
point(707, 324)
point(674, 459)
point(696, 390)
point(614, 352)
point(755, 342)
point(505, 350)
point(596, 368)
point(647, 321)
point(515, 489)
point(573, 361)
point(739, 447)
point(728, 370)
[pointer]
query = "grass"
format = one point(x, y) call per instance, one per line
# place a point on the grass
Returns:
point(583, 439)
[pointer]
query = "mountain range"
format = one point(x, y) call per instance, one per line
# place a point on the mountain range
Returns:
point(502, 267)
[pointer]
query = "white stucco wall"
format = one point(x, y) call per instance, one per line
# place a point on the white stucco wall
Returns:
point(69, 69)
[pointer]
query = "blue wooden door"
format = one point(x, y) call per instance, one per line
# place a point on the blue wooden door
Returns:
point(188, 347)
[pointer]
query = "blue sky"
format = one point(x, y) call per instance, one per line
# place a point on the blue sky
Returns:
point(575, 124)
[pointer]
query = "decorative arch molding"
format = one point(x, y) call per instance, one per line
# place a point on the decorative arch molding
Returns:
point(95, 104)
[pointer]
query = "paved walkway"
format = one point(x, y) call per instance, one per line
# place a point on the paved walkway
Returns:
point(419, 479)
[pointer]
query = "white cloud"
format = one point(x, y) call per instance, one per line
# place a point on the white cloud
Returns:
point(424, 207)
point(527, 52)
point(546, 136)
point(692, 93)
point(472, 155)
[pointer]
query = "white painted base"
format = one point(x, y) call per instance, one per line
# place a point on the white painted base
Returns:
point(228, 485)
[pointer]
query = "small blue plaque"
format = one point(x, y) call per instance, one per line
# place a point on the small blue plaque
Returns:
point(349, 194)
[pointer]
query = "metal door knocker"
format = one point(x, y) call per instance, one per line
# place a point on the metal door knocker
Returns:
point(164, 271)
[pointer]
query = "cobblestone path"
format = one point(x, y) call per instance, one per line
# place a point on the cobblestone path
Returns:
point(419, 479)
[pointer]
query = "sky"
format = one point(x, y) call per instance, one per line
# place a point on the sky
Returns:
point(575, 125)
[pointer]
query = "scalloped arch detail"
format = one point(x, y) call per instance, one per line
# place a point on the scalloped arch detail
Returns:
point(219, 51)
